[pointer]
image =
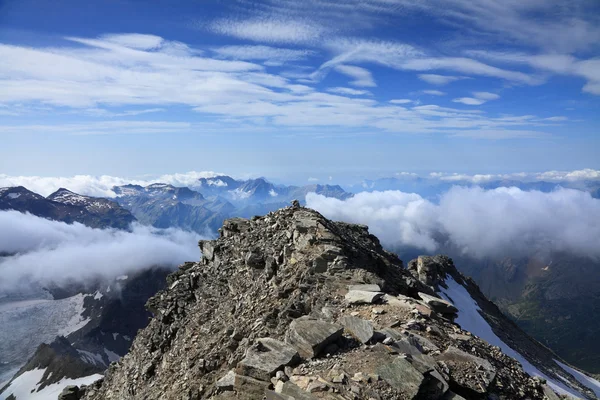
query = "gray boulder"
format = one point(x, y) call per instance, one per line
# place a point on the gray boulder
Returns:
point(267, 357)
point(363, 297)
point(359, 328)
point(311, 336)
point(401, 375)
point(439, 305)
point(471, 373)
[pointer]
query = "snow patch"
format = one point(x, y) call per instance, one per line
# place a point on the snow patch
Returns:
point(91, 358)
point(471, 320)
point(98, 295)
point(240, 194)
point(122, 277)
point(14, 195)
point(25, 386)
point(77, 321)
point(25, 324)
point(112, 356)
point(216, 182)
point(582, 378)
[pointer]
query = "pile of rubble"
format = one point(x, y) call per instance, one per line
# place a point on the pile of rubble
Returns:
point(294, 306)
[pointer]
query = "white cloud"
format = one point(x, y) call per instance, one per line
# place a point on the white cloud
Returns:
point(486, 96)
point(463, 218)
point(562, 64)
point(470, 101)
point(116, 72)
point(406, 57)
point(558, 176)
point(54, 252)
point(276, 54)
point(269, 30)
point(401, 101)
point(435, 79)
point(553, 176)
point(135, 40)
point(349, 91)
point(434, 92)
point(98, 186)
point(362, 76)
point(480, 98)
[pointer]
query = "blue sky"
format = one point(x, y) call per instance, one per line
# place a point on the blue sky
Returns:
point(291, 89)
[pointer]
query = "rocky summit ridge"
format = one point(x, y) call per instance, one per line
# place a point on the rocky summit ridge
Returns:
point(294, 306)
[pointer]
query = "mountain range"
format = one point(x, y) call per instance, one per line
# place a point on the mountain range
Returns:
point(550, 296)
point(294, 306)
point(66, 206)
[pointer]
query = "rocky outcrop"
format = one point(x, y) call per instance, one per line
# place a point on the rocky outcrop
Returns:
point(265, 314)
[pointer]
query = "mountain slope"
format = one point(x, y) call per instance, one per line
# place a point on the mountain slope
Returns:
point(273, 309)
point(165, 206)
point(67, 206)
point(106, 322)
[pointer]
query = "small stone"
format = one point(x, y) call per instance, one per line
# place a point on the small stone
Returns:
point(317, 386)
point(378, 311)
point(339, 378)
point(227, 381)
point(434, 330)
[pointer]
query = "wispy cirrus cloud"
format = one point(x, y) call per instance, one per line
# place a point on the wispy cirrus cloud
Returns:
point(406, 57)
point(361, 76)
point(434, 92)
point(562, 64)
point(142, 73)
point(435, 79)
point(349, 91)
point(260, 52)
point(478, 99)
point(269, 29)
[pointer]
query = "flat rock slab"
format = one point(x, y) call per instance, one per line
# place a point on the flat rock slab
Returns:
point(311, 336)
point(437, 304)
point(267, 357)
point(401, 375)
point(359, 328)
point(403, 346)
point(468, 371)
point(365, 287)
point(363, 297)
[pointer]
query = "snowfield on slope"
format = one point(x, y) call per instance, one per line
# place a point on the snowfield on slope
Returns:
point(585, 380)
point(471, 320)
point(25, 324)
point(23, 385)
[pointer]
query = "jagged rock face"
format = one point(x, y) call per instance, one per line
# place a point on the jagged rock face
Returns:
point(285, 277)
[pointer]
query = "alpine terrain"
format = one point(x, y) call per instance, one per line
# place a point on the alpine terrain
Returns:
point(294, 306)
